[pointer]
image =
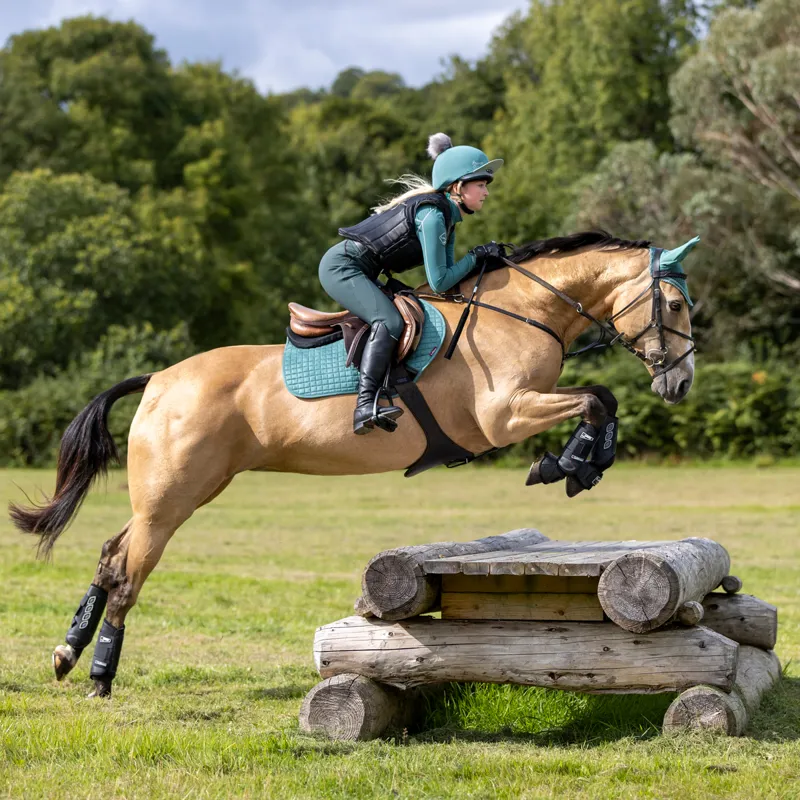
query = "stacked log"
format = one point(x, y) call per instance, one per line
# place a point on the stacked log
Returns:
point(707, 708)
point(352, 707)
point(395, 585)
point(581, 656)
point(743, 618)
point(644, 589)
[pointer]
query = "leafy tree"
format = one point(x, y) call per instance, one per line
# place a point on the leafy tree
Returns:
point(344, 83)
point(377, 84)
point(638, 193)
point(738, 101)
point(583, 76)
point(90, 96)
point(78, 255)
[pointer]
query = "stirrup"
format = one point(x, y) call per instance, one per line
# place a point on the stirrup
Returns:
point(382, 416)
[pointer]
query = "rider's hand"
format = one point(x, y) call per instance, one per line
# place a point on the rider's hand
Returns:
point(487, 252)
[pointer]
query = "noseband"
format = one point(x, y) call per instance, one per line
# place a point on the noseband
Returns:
point(653, 358)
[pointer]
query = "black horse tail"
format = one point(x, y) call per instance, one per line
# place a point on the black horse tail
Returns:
point(86, 450)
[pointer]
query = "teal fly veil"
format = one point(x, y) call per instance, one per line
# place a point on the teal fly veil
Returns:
point(671, 260)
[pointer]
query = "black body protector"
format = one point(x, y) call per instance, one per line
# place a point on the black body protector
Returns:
point(392, 236)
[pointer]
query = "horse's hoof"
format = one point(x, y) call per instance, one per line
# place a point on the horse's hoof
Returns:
point(534, 474)
point(545, 470)
point(101, 689)
point(64, 659)
point(573, 486)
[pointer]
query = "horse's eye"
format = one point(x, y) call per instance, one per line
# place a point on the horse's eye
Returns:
point(675, 305)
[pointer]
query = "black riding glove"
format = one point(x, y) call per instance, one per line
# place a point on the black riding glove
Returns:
point(487, 252)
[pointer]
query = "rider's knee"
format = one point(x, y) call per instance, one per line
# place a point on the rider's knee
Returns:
point(394, 325)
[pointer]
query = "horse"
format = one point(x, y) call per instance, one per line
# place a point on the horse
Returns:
point(219, 413)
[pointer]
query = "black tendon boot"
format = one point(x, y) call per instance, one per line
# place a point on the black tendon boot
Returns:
point(573, 464)
point(375, 362)
point(106, 658)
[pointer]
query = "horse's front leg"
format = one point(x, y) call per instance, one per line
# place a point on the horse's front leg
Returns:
point(529, 413)
point(603, 452)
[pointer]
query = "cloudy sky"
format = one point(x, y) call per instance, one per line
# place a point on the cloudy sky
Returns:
point(284, 44)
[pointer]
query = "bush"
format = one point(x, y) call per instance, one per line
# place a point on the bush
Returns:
point(33, 419)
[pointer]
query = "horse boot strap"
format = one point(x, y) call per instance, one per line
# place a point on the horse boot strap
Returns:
point(605, 451)
point(603, 457)
point(579, 448)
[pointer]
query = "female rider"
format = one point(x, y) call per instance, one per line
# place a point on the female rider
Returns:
point(416, 227)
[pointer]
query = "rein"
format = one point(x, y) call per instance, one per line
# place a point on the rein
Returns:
point(651, 358)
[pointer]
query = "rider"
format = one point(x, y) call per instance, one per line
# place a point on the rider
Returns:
point(416, 227)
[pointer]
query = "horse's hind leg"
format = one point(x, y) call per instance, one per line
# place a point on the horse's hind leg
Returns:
point(125, 563)
point(139, 550)
point(91, 608)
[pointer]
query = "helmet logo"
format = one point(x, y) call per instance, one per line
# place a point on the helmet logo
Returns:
point(476, 164)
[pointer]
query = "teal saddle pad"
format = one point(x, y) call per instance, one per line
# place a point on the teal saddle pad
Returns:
point(320, 371)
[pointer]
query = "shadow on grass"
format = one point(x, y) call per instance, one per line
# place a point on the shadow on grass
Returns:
point(545, 717)
point(776, 718)
point(280, 692)
point(489, 713)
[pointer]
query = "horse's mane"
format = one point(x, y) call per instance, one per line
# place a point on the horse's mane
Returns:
point(566, 244)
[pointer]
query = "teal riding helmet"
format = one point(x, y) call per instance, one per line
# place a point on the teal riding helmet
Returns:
point(461, 163)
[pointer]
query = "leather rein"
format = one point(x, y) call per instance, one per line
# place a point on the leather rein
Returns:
point(653, 358)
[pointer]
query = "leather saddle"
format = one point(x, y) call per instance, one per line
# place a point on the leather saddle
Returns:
point(308, 323)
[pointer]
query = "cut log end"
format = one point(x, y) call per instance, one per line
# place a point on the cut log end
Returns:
point(395, 587)
point(731, 584)
point(639, 591)
point(690, 613)
point(704, 708)
point(644, 589)
point(348, 707)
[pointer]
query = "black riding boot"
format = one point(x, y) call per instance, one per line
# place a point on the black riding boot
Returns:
point(375, 362)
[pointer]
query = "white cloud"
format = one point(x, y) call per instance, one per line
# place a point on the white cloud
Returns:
point(281, 44)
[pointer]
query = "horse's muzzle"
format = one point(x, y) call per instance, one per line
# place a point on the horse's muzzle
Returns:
point(674, 385)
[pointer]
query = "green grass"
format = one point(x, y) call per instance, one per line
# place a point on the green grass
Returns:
point(217, 654)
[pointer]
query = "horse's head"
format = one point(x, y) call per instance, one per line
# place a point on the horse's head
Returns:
point(652, 312)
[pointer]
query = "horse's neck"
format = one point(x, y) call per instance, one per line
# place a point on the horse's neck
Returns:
point(593, 278)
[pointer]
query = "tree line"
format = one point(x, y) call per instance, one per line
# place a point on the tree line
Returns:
point(150, 210)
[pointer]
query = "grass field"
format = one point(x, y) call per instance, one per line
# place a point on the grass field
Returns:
point(217, 653)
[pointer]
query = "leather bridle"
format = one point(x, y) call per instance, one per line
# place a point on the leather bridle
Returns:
point(653, 357)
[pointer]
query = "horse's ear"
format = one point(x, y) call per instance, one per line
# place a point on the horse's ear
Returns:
point(679, 253)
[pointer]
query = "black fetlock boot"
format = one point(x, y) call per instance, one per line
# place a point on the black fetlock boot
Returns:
point(375, 362)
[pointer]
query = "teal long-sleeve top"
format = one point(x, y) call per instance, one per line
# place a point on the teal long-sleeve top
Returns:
point(438, 250)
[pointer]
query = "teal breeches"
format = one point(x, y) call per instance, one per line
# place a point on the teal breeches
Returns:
point(348, 274)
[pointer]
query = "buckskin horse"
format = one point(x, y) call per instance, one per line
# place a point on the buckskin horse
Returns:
point(222, 412)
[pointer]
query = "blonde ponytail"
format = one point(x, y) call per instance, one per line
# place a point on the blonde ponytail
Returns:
point(413, 185)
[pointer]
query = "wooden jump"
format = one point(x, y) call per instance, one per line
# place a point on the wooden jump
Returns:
point(600, 617)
